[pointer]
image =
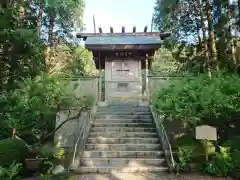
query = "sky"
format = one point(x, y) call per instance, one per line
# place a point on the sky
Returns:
point(117, 13)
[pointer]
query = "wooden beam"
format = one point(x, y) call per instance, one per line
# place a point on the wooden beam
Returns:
point(161, 34)
point(114, 47)
point(123, 29)
point(111, 30)
point(100, 30)
point(145, 29)
point(134, 29)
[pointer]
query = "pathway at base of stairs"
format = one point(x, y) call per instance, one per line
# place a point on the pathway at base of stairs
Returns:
point(146, 176)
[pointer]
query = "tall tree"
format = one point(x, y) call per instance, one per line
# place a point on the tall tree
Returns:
point(186, 22)
point(211, 34)
point(204, 37)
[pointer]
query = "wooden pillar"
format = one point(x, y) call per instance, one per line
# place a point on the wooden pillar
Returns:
point(146, 90)
point(100, 79)
point(148, 61)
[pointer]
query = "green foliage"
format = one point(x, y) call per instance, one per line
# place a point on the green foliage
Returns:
point(60, 176)
point(11, 172)
point(221, 164)
point(23, 54)
point(83, 63)
point(11, 150)
point(34, 106)
point(187, 43)
point(184, 159)
point(199, 100)
point(164, 63)
point(46, 167)
point(187, 152)
point(21, 49)
point(235, 155)
point(232, 143)
point(71, 60)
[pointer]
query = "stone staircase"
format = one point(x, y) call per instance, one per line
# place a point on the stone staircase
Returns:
point(123, 138)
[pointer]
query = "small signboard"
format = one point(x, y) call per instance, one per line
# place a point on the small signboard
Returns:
point(206, 132)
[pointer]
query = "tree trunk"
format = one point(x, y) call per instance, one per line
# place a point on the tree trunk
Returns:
point(211, 35)
point(21, 16)
point(231, 40)
point(51, 26)
point(50, 38)
point(40, 18)
point(204, 38)
point(199, 49)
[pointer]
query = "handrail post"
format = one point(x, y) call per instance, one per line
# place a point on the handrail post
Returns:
point(81, 135)
point(165, 142)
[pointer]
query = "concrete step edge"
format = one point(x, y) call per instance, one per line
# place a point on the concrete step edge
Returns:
point(126, 119)
point(128, 128)
point(145, 144)
point(129, 138)
point(112, 169)
point(124, 123)
point(121, 158)
point(104, 151)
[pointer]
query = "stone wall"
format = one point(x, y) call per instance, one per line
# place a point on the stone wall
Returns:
point(67, 135)
point(85, 86)
point(155, 83)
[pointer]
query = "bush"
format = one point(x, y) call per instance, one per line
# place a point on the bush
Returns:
point(11, 150)
point(188, 151)
point(184, 159)
point(221, 164)
point(200, 100)
point(33, 107)
point(12, 172)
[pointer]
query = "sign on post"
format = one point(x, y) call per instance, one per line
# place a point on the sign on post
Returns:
point(206, 133)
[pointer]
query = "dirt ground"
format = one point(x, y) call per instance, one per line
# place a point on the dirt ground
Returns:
point(146, 176)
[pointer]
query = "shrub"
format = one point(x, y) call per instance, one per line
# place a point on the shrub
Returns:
point(12, 172)
point(11, 150)
point(200, 100)
point(184, 159)
point(33, 107)
point(221, 164)
point(235, 155)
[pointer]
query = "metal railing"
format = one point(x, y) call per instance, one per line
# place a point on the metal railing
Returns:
point(164, 139)
point(82, 135)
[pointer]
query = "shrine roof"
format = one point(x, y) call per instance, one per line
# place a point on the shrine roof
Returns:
point(104, 40)
point(124, 40)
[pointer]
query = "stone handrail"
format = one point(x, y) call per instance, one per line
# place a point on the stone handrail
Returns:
point(82, 137)
point(164, 139)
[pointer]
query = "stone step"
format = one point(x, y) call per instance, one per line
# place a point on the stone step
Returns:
point(123, 121)
point(123, 147)
point(122, 129)
point(116, 112)
point(123, 134)
point(133, 140)
point(122, 169)
point(123, 109)
point(122, 116)
point(99, 124)
point(91, 162)
point(123, 154)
